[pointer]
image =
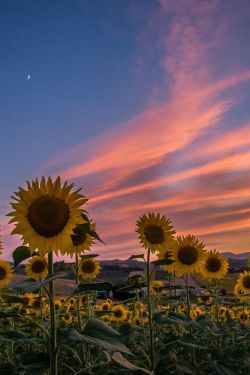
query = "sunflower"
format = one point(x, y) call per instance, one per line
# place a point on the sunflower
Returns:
point(188, 253)
point(45, 215)
point(81, 241)
point(120, 313)
point(105, 306)
point(156, 287)
point(243, 282)
point(6, 273)
point(37, 303)
point(215, 265)
point(155, 231)
point(167, 254)
point(36, 268)
point(67, 319)
point(89, 268)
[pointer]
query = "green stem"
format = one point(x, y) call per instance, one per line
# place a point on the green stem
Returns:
point(151, 334)
point(53, 330)
point(187, 296)
point(78, 296)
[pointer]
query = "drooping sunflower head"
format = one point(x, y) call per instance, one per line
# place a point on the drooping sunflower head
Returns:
point(46, 213)
point(215, 266)
point(6, 273)
point(89, 268)
point(81, 241)
point(120, 313)
point(36, 268)
point(167, 254)
point(243, 282)
point(188, 254)
point(155, 231)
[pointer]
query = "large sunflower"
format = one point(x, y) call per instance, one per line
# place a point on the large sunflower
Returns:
point(36, 268)
point(155, 231)
point(188, 254)
point(46, 214)
point(215, 266)
point(6, 273)
point(89, 268)
point(243, 282)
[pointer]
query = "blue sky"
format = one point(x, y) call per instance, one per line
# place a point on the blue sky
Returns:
point(143, 103)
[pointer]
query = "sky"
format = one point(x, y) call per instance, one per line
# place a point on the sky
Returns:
point(145, 104)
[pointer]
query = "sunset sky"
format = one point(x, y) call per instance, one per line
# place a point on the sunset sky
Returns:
point(145, 104)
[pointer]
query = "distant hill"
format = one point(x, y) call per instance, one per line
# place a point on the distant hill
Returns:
point(240, 256)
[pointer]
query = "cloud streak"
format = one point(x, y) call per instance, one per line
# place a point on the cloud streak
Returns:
point(156, 160)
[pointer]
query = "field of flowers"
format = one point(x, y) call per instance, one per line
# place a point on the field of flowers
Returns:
point(157, 331)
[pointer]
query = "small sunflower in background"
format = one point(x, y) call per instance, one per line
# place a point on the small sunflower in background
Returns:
point(156, 287)
point(36, 268)
point(155, 231)
point(89, 268)
point(67, 319)
point(46, 213)
point(6, 273)
point(119, 314)
point(188, 254)
point(243, 282)
point(206, 299)
point(106, 305)
point(215, 266)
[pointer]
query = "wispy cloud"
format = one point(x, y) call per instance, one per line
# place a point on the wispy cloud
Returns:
point(156, 160)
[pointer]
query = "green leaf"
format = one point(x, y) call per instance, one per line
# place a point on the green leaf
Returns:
point(187, 367)
point(162, 262)
point(20, 254)
point(18, 336)
point(8, 314)
point(7, 369)
point(191, 343)
point(97, 333)
point(30, 285)
point(8, 298)
point(96, 236)
point(87, 256)
point(34, 361)
point(118, 358)
point(137, 256)
point(87, 287)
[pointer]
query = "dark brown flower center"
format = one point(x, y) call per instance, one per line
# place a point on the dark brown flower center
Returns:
point(37, 303)
point(188, 255)
point(118, 313)
point(213, 264)
point(246, 282)
point(78, 237)
point(88, 266)
point(3, 273)
point(48, 216)
point(38, 266)
point(105, 307)
point(154, 234)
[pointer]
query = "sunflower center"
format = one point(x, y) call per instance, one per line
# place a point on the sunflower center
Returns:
point(38, 266)
point(48, 215)
point(188, 255)
point(213, 264)
point(118, 313)
point(154, 234)
point(88, 266)
point(105, 307)
point(78, 237)
point(37, 304)
point(3, 273)
point(246, 282)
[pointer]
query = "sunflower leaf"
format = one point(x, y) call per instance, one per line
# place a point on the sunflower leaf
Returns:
point(136, 256)
point(162, 262)
point(86, 287)
point(118, 358)
point(95, 235)
point(20, 254)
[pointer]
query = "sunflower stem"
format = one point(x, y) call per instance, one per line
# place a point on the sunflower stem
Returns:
point(187, 296)
point(151, 334)
point(53, 330)
point(78, 296)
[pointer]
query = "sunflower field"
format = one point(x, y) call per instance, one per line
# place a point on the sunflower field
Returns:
point(162, 329)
